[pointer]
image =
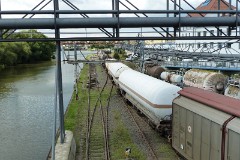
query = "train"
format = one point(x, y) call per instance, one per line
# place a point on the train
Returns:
point(153, 70)
point(172, 78)
point(160, 72)
point(201, 124)
point(233, 89)
point(204, 79)
point(152, 97)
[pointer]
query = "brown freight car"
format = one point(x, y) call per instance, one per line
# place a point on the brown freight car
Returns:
point(206, 125)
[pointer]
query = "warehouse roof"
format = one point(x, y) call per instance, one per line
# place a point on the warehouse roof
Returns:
point(214, 100)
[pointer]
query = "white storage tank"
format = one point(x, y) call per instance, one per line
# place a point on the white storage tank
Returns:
point(151, 96)
point(204, 79)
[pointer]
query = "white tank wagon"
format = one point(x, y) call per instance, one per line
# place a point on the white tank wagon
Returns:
point(232, 91)
point(109, 61)
point(175, 78)
point(204, 79)
point(171, 77)
point(164, 76)
point(115, 69)
point(151, 96)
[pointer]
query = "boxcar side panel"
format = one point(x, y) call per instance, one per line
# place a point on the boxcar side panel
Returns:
point(175, 122)
point(205, 125)
point(183, 118)
point(189, 133)
point(205, 146)
point(197, 137)
point(216, 135)
point(233, 145)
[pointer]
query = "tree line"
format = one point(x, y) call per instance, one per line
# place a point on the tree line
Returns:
point(13, 53)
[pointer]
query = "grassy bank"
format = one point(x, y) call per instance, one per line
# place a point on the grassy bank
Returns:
point(75, 118)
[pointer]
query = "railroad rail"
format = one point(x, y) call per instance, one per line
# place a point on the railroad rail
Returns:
point(97, 138)
point(136, 119)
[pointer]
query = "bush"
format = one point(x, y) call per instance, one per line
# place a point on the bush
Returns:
point(116, 56)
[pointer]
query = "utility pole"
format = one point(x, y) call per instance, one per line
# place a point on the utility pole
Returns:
point(76, 70)
point(142, 43)
point(1, 36)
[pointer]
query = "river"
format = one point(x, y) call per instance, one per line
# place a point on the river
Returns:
point(26, 109)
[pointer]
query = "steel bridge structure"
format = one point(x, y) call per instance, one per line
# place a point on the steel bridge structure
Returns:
point(65, 20)
point(121, 22)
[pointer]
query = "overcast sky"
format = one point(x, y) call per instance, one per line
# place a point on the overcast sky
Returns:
point(89, 4)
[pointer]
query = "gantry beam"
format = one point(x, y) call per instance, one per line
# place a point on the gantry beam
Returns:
point(123, 22)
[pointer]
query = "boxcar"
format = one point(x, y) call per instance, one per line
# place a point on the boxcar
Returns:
point(206, 125)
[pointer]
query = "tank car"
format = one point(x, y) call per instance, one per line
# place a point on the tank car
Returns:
point(108, 61)
point(206, 125)
point(115, 69)
point(232, 91)
point(204, 79)
point(171, 77)
point(149, 95)
point(165, 76)
point(175, 78)
point(154, 71)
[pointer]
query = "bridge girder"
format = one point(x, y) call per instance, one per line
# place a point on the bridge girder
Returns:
point(122, 22)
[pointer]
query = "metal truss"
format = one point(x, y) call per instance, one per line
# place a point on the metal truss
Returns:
point(164, 24)
point(176, 57)
point(205, 51)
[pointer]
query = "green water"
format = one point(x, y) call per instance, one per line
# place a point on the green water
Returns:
point(26, 109)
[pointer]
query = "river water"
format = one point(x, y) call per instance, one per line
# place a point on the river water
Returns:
point(26, 109)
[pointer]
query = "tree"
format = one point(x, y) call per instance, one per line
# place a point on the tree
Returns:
point(13, 53)
point(40, 51)
point(7, 55)
point(116, 56)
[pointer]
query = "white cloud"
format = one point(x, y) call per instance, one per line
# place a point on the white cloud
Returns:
point(18, 4)
point(92, 4)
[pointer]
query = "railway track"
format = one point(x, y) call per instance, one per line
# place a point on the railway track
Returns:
point(97, 141)
point(140, 127)
point(94, 140)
